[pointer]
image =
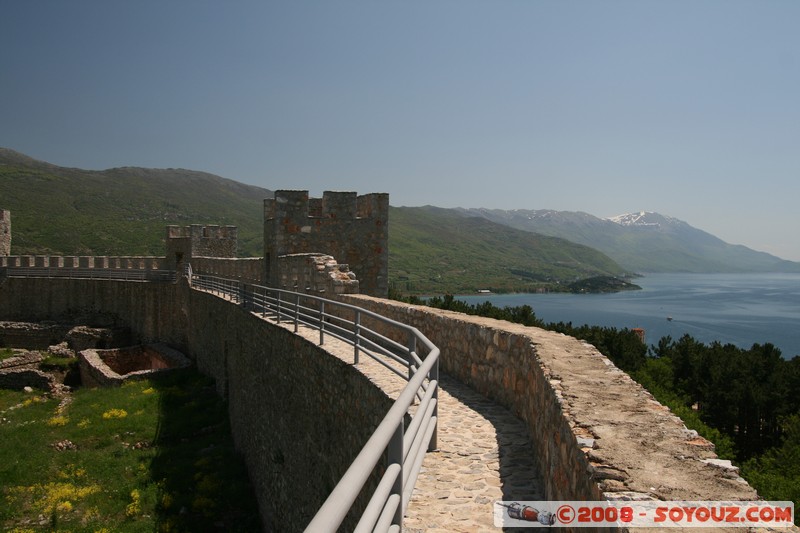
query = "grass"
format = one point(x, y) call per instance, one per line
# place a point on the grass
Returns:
point(152, 455)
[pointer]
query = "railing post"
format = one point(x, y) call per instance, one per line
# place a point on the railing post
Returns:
point(412, 349)
point(296, 312)
point(278, 312)
point(434, 376)
point(395, 455)
point(357, 335)
point(321, 322)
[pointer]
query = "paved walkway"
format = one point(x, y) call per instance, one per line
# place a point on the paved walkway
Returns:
point(484, 455)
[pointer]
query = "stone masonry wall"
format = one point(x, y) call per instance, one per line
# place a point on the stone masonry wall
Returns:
point(183, 243)
point(351, 228)
point(59, 261)
point(316, 273)
point(248, 270)
point(5, 232)
point(597, 434)
point(298, 414)
point(153, 311)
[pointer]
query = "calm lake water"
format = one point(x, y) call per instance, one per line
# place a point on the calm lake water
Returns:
point(740, 309)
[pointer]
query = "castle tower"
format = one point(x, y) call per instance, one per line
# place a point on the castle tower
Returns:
point(5, 232)
point(353, 229)
point(200, 241)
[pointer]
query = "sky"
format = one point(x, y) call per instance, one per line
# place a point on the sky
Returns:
point(690, 108)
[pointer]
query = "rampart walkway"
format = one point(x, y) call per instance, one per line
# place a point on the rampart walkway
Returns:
point(484, 454)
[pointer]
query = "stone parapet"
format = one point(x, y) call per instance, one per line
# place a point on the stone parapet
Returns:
point(248, 270)
point(596, 433)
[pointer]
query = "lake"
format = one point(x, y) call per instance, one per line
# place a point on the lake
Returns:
point(741, 309)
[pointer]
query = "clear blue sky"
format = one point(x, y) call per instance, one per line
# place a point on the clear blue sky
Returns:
point(689, 108)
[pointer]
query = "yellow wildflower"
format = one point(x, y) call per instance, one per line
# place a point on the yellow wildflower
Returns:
point(64, 507)
point(135, 507)
point(58, 421)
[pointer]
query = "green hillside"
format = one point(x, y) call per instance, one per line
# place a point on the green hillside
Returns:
point(434, 250)
point(124, 211)
point(121, 211)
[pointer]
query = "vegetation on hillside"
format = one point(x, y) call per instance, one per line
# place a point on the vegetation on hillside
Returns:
point(745, 401)
point(436, 251)
point(124, 211)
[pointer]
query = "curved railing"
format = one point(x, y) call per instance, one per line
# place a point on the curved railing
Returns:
point(393, 344)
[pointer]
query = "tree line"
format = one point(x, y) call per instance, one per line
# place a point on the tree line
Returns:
point(745, 401)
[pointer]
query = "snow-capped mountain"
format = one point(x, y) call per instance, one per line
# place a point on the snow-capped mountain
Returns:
point(643, 219)
point(642, 241)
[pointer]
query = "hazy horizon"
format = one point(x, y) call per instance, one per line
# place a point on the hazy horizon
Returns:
point(688, 109)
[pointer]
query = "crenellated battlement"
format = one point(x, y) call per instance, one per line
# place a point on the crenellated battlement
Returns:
point(197, 231)
point(349, 227)
point(298, 206)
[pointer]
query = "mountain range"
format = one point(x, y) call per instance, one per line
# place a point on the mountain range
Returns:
point(642, 241)
point(124, 211)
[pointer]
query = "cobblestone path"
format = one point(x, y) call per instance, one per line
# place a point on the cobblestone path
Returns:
point(484, 454)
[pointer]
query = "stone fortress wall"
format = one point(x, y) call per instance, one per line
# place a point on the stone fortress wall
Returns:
point(597, 434)
point(300, 415)
point(85, 262)
point(352, 229)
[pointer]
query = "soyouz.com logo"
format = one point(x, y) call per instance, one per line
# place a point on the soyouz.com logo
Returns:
point(643, 514)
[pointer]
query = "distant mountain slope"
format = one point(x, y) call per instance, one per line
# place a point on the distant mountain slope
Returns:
point(436, 250)
point(124, 211)
point(120, 211)
point(643, 242)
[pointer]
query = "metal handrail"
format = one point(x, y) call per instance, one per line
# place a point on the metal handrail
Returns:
point(124, 274)
point(403, 447)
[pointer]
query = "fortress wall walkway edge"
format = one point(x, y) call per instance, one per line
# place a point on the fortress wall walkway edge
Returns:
point(597, 434)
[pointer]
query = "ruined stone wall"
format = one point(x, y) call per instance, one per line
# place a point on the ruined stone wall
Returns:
point(596, 433)
point(153, 311)
point(316, 273)
point(31, 336)
point(5, 232)
point(351, 228)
